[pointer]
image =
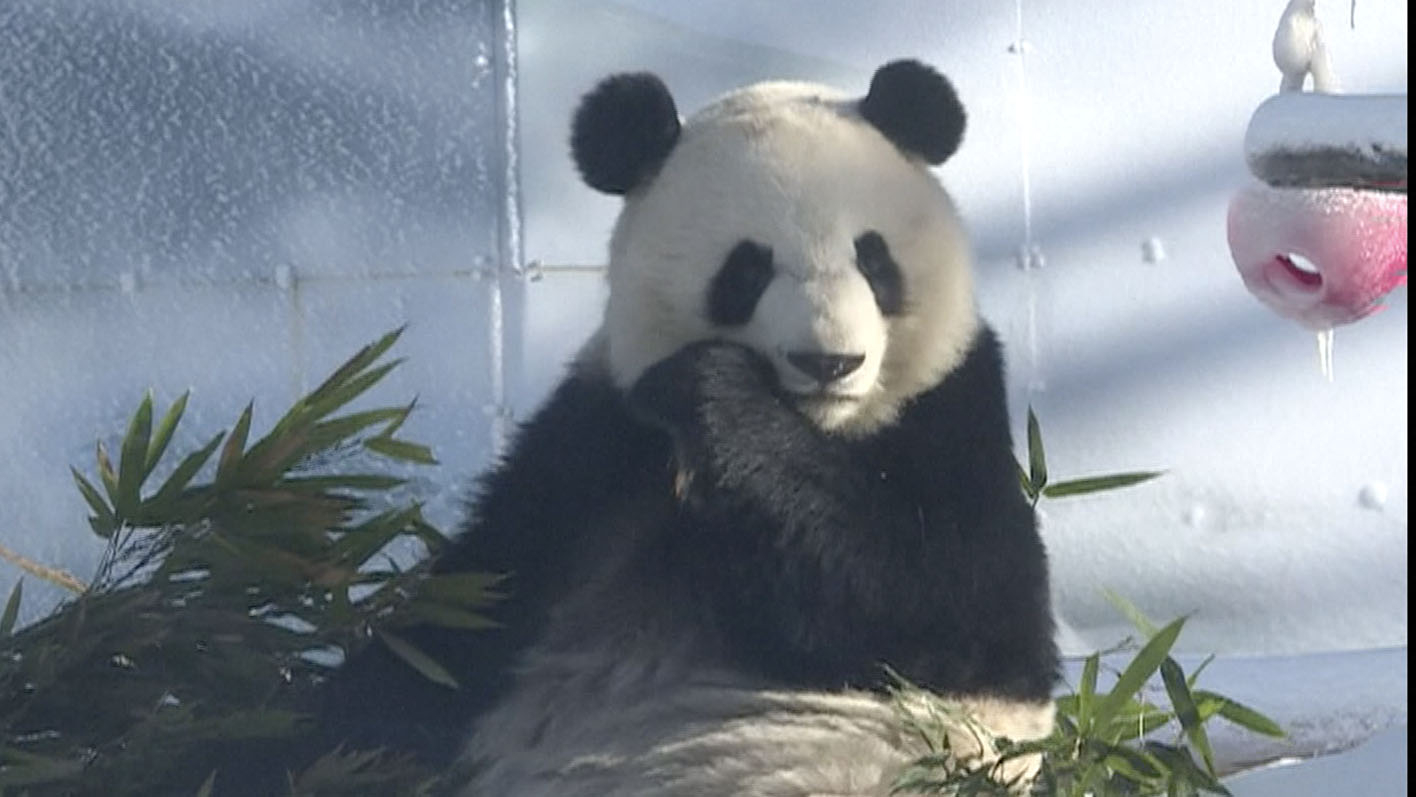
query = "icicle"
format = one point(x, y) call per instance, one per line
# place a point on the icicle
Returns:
point(1029, 257)
point(1325, 353)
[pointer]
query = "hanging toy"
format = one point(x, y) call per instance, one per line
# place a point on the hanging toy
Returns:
point(1320, 236)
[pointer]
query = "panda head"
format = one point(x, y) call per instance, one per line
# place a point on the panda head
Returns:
point(791, 219)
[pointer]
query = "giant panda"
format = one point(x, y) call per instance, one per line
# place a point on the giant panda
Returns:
point(781, 464)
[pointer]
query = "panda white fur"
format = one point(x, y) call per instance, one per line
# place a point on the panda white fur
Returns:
point(782, 462)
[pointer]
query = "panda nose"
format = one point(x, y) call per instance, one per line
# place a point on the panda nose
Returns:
point(825, 368)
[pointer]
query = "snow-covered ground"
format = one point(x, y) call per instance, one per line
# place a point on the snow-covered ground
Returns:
point(1329, 704)
point(1377, 768)
point(231, 196)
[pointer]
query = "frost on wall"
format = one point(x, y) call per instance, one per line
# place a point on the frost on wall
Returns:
point(221, 139)
point(232, 196)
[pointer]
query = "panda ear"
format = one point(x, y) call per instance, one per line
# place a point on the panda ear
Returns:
point(917, 109)
point(623, 130)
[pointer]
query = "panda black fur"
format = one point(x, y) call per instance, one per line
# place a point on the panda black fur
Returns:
point(782, 462)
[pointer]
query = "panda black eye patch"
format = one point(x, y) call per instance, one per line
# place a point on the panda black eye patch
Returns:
point(881, 271)
point(738, 285)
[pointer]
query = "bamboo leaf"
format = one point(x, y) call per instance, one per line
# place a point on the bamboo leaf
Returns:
point(1037, 458)
point(1086, 691)
point(52, 575)
point(1096, 484)
point(1140, 669)
point(104, 522)
point(1136, 719)
point(163, 435)
point(107, 474)
point(1195, 676)
point(31, 769)
point(1186, 711)
point(235, 445)
point(429, 534)
point(1128, 609)
point(370, 537)
point(1025, 482)
point(132, 462)
point(463, 589)
point(274, 454)
point(445, 616)
point(12, 609)
point(346, 426)
point(402, 450)
point(188, 468)
point(292, 516)
point(362, 359)
point(347, 392)
point(418, 660)
point(315, 405)
point(398, 422)
point(1183, 770)
point(1137, 765)
point(1242, 715)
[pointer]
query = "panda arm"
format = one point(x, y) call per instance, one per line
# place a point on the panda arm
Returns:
point(828, 556)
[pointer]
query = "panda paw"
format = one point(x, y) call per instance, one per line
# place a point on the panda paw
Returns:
point(680, 392)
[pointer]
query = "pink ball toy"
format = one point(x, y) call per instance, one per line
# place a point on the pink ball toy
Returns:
point(1320, 256)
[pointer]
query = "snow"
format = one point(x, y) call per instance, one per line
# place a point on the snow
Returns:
point(1378, 768)
point(1369, 124)
point(1329, 139)
point(1327, 703)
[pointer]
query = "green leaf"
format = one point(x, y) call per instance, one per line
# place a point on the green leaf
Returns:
point(361, 360)
point(1135, 765)
point(106, 473)
point(344, 393)
point(401, 449)
point(1140, 669)
point(1025, 482)
point(1186, 711)
point(104, 521)
point(31, 769)
point(429, 534)
point(323, 400)
point(132, 462)
point(445, 616)
point(368, 538)
point(1242, 715)
point(462, 589)
point(163, 435)
point(235, 445)
point(1086, 691)
point(1199, 668)
point(1037, 458)
point(1137, 718)
point(208, 785)
point(418, 660)
point(398, 422)
point(324, 435)
point(188, 468)
point(12, 609)
point(1185, 774)
point(1096, 484)
point(1128, 609)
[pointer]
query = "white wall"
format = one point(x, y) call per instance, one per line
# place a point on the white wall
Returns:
point(232, 197)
